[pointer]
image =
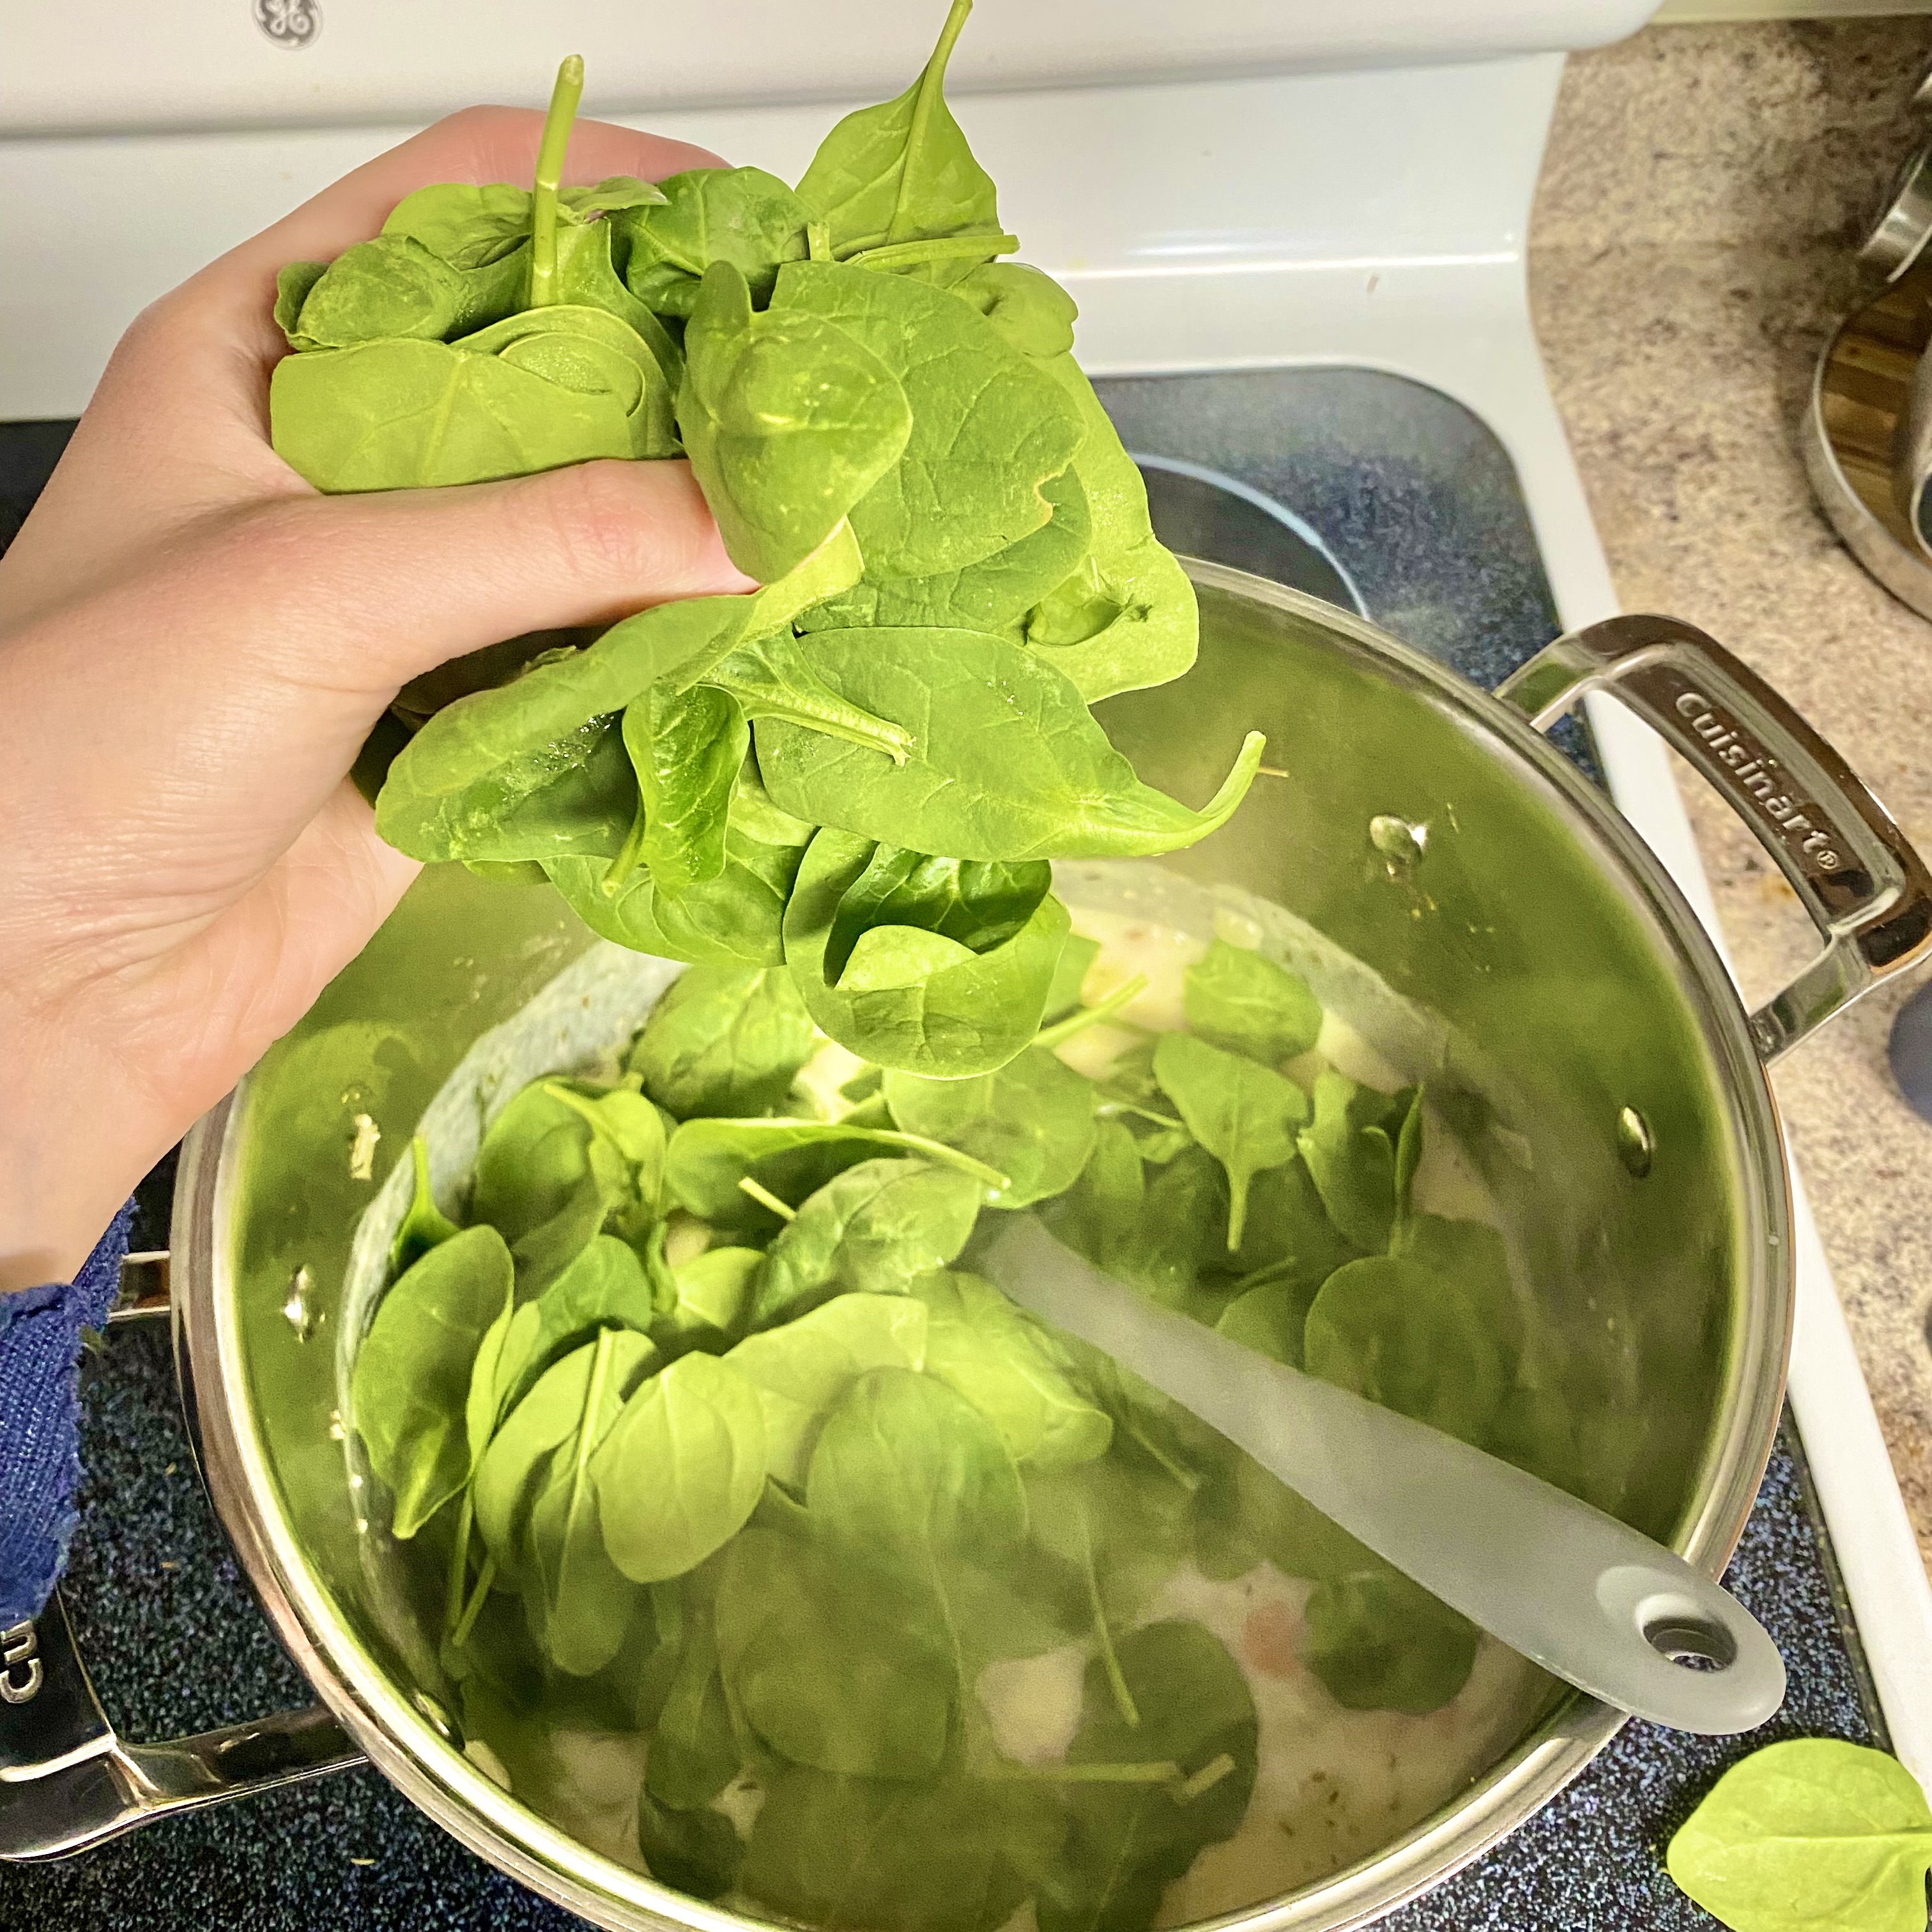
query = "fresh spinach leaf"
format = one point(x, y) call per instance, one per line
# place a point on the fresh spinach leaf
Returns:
point(605, 1286)
point(1410, 1338)
point(682, 1469)
point(1028, 308)
point(1811, 1835)
point(582, 1604)
point(907, 1471)
point(1126, 1843)
point(983, 1348)
point(515, 1469)
point(906, 997)
point(423, 1225)
point(1351, 1149)
point(1270, 1318)
point(723, 1041)
point(1380, 1643)
point(1244, 1114)
point(410, 1386)
point(803, 1369)
point(1031, 1120)
point(1005, 761)
point(402, 413)
point(1244, 1002)
point(735, 920)
point(986, 428)
point(789, 421)
point(740, 215)
point(835, 1662)
point(1069, 976)
point(708, 1157)
point(902, 171)
point(1125, 617)
point(393, 286)
point(686, 749)
point(992, 595)
point(694, 1754)
point(853, 1854)
point(715, 1291)
point(876, 1227)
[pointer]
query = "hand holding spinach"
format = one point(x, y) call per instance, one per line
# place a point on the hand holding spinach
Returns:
point(887, 422)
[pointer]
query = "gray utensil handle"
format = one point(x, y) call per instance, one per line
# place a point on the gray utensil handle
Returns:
point(1866, 889)
point(67, 1782)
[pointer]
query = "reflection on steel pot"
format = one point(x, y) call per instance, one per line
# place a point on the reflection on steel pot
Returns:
point(1452, 889)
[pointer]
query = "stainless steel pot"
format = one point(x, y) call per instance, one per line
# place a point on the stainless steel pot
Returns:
point(1425, 826)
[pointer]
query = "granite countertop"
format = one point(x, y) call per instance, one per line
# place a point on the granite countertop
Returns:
point(1690, 250)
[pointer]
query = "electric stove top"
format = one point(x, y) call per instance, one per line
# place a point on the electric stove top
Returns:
point(1371, 490)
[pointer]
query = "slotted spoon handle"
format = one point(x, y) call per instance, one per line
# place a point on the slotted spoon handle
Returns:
point(1587, 1598)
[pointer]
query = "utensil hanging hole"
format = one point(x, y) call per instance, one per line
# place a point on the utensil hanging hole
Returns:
point(1690, 1641)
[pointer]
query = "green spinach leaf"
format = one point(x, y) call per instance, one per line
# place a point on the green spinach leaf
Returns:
point(1031, 1120)
point(876, 1227)
point(1351, 1149)
point(1005, 762)
point(723, 1041)
point(1412, 1339)
point(686, 749)
point(1810, 1835)
point(708, 1157)
point(803, 1369)
point(983, 1348)
point(740, 215)
point(409, 1389)
point(697, 1851)
point(681, 1469)
point(1244, 1114)
point(423, 1225)
point(789, 421)
point(835, 1662)
point(1244, 1002)
point(853, 1854)
point(1380, 1643)
point(1126, 1842)
point(902, 171)
point(986, 428)
point(603, 1285)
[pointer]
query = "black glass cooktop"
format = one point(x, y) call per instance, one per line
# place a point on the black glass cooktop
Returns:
point(1373, 492)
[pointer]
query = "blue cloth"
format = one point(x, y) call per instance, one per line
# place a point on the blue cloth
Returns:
point(41, 1331)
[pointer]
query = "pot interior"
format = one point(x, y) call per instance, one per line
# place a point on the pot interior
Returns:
point(1451, 891)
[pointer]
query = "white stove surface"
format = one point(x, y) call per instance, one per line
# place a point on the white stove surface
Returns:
point(1372, 220)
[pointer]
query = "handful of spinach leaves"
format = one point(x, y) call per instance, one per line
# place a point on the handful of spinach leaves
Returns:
point(887, 419)
point(702, 1428)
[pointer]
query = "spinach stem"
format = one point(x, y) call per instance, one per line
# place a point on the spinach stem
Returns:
point(765, 1198)
point(459, 1564)
point(485, 1578)
point(1159, 1770)
point(1116, 1681)
point(563, 100)
point(930, 100)
point(1205, 1780)
point(1127, 991)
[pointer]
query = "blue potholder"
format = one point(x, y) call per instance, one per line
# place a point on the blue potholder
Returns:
point(39, 1414)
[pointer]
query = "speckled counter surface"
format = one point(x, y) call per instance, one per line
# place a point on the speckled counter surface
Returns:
point(1691, 249)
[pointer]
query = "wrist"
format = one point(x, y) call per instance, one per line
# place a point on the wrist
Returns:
point(75, 1141)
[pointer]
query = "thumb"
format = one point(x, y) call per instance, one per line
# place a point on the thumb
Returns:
point(359, 594)
point(265, 645)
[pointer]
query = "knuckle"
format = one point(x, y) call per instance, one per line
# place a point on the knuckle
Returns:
point(613, 536)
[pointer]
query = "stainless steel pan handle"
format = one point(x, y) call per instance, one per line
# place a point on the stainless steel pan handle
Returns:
point(1867, 890)
point(67, 1781)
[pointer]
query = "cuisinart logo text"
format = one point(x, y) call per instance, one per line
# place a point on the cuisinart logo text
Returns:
point(293, 24)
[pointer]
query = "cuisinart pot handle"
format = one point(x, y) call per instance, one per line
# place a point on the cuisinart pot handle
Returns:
point(67, 1781)
point(1867, 890)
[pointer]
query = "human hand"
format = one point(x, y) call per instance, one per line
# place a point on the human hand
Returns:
point(194, 645)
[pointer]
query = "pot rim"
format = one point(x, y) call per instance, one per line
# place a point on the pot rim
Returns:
point(411, 1746)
